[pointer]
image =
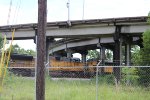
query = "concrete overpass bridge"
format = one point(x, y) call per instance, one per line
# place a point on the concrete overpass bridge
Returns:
point(82, 28)
point(86, 33)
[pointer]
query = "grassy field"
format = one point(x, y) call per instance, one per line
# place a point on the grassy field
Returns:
point(19, 88)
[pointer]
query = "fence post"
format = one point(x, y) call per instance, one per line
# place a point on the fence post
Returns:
point(97, 79)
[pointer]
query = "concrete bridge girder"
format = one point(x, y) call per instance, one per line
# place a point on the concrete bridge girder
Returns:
point(91, 44)
point(95, 31)
point(82, 43)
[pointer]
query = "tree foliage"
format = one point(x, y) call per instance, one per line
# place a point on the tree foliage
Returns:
point(142, 58)
point(148, 18)
point(145, 52)
point(144, 72)
point(109, 54)
point(93, 54)
point(19, 50)
point(1, 41)
point(135, 56)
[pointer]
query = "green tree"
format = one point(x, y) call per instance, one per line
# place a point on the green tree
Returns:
point(109, 54)
point(145, 52)
point(30, 52)
point(143, 59)
point(15, 48)
point(135, 56)
point(1, 41)
point(148, 18)
point(93, 54)
point(19, 50)
point(144, 72)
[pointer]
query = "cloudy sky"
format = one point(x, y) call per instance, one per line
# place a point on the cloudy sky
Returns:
point(57, 11)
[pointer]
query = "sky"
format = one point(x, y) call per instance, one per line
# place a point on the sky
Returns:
point(26, 11)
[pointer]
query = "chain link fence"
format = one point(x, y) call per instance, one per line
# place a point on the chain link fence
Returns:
point(79, 83)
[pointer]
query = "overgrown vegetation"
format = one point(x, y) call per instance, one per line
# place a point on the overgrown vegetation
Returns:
point(1, 41)
point(93, 54)
point(21, 88)
point(19, 50)
point(129, 76)
point(142, 58)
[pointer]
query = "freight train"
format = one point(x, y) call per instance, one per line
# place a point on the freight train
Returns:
point(25, 64)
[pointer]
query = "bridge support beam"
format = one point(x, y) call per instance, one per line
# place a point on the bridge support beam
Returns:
point(117, 70)
point(48, 43)
point(84, 59)
point(102, 55)
point(128, 51)
point(102, 58)
point(69, 53)
point(83, 54)
point(116, 55)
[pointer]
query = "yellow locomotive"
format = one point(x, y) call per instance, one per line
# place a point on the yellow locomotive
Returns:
point(26, 64)
point(74, 65)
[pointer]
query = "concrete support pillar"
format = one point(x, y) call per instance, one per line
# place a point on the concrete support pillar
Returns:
point(102, 54)
point(102, 58)
point(47, 57)
point(83, 54)
point(84, 58)
point(121, 59)
point(69, 53)
point(117, 70)
point(84, 63)
point(116, 55)
point(47, 52)
point(48, 42)
point(128, 41)
point(128, 54)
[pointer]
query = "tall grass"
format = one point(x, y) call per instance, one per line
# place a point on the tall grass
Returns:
point(20, 88)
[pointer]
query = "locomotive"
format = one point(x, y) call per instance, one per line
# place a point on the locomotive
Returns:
point(25, 65)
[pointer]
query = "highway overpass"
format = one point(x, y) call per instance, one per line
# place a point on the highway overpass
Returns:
point(81, 28)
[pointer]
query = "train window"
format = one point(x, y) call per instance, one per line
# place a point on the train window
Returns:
point(75, 59)
point(57, 58)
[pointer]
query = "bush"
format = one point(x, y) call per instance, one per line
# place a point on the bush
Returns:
point(129, 76)
point(144, 76)
point(106, 79)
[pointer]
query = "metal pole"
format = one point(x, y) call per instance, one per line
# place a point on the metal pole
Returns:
point(83, 10)
point(96, 82)
point(35, 64)
point(68, 6)
point(97, 79)
point(41, 48)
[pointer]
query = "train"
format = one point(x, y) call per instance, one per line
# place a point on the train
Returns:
point(23, 64)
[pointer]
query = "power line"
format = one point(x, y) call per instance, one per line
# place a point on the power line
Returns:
point(9, 12)
point(16, 12)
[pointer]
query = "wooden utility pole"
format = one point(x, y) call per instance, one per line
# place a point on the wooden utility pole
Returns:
point(41, 50)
